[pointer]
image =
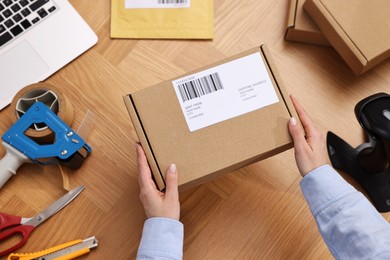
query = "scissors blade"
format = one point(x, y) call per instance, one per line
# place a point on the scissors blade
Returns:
point(55, 207)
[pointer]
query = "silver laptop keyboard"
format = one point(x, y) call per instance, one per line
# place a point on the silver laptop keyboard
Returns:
point(18, 16)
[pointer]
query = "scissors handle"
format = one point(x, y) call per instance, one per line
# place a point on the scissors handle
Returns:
point(22, 230)
point(9, 221)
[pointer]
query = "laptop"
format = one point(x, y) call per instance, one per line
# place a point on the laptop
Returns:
point(37, 38)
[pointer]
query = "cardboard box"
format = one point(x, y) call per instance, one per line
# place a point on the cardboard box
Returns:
point(301, 28)
point(358, 30)
point(222, 129)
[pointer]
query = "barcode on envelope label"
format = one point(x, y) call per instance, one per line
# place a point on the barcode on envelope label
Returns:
point(200, 87)
point(134, 4)
point(173, 1)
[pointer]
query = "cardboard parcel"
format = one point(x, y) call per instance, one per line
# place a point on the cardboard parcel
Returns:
point(213, 120)
point(358, 30)
point(301, 28)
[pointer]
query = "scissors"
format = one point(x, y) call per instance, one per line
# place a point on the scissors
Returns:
point(16, 225)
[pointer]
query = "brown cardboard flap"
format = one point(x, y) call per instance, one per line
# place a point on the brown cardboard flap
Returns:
point(291, 13)
point(278, 81)
point(157, 176)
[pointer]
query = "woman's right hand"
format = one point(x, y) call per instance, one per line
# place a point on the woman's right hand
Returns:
point(309, 143)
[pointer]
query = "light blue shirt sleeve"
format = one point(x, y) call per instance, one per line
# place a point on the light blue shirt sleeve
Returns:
point(162, 238)
point(350, 226)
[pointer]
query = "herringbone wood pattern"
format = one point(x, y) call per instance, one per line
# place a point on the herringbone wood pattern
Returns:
point(257, 212)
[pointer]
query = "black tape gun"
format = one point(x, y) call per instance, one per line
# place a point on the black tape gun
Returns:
point(369, 162)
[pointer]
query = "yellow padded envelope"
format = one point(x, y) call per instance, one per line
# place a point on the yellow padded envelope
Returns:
point(194, 22)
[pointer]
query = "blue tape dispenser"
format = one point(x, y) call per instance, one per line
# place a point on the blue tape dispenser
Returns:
point(68, 148)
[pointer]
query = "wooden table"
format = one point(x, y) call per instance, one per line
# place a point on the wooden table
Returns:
point(257, 212)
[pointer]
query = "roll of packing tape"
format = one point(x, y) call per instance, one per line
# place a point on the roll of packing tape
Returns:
point(50, 96)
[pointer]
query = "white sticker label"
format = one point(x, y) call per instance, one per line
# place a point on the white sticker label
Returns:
point(157, 4)
point(225, 91)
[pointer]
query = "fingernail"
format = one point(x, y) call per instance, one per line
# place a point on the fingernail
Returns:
point(136, 145)
point(172, 168)
point(293, 121)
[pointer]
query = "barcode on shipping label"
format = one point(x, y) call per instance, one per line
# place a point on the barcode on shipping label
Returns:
point(200, 87)
point(172, 1)
point(225, 91)
point(133, 4)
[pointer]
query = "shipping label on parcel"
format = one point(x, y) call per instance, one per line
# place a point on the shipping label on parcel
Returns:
point(225, 91)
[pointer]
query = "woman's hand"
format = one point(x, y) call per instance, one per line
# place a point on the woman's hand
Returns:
point(155, 202)
point(309, 143)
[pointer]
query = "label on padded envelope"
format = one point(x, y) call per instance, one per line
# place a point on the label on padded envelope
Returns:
point(131, 4)
point(225, 91)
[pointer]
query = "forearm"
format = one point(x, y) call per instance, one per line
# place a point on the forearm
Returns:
point(351, 227)
point(162, 238)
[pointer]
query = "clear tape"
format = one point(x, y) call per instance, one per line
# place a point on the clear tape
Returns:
point(83, 131)
point(86, 125)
